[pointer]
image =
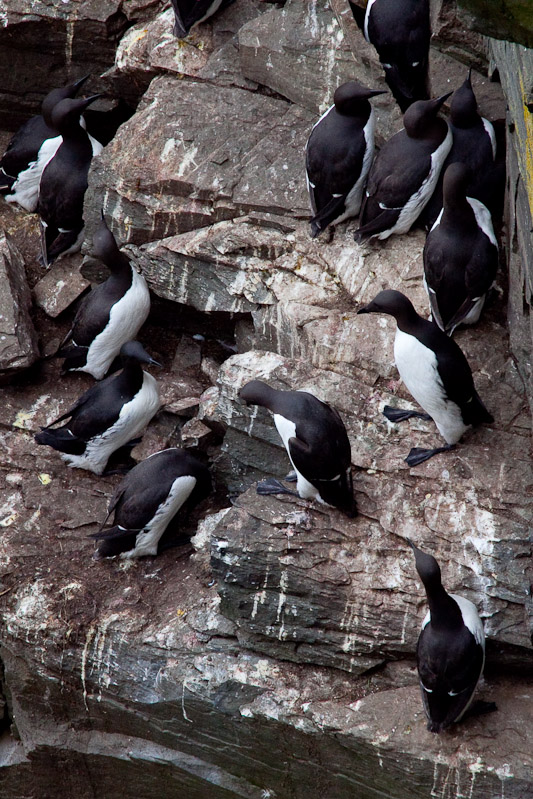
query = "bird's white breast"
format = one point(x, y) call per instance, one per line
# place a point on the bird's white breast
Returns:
point(147, 540)
point(414, 205)
point(417, 365)
point(125, 320)
point(287, 430)
point(133, 418)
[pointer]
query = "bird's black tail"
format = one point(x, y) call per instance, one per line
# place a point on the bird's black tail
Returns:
point(62, 440)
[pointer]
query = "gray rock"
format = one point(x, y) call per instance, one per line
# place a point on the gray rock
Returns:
point(62, 285)
point(452, 506)
point(209, 52)
point(515, 64)
point(70, 39)
point(18, 340)
point(136, 684)
point(305, 38)
point(195, 154)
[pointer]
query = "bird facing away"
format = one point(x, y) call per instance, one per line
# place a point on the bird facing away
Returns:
point(451, 649)
point(110, 315)
point(400, 31)
point(107, 416)
point(64, 182)
point(316, 441)
point(460, 255)
point(405, 172)
point(148, 499)
point(339, 153)
point(435, 371)
point(474, 144)
point(23, 149)
point(188, 13)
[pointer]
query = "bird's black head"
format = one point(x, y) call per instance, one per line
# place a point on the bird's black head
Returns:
point(427, 567)
point(133, 351)
point(105, 246)
point(463, 105)
point(421, 115)
point(390, 302)
point(65, 115)
point(456, 180)
point(56, 95)
point(255, 392)
point(351, 98)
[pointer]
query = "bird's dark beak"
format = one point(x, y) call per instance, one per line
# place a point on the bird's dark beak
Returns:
point(79, 83)
point(89, 100)
point(441, 100)
point(374, 93)
point(366, 308)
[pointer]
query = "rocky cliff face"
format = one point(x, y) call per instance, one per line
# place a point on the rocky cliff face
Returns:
point(275, 657)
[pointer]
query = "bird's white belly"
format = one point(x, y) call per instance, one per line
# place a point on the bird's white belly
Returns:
point(147, 540)
point(415, 204)
point(25, 190)
point(287, 430)
point(126, 318)
point(417, 365)
point(133, 418)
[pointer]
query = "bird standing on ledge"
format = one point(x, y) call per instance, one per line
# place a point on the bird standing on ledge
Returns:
point(434, 370)
point(339, 153)
point(316, 441)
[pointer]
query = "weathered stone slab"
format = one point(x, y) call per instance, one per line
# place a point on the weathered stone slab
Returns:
point(62, 285)
point(305, 39)
point(18, 340)
point(515, 65)
point(469, 508)
point(68, 39)
point(195, 154)
point(209, 52)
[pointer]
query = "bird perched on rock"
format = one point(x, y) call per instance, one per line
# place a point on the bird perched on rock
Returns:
point(316, 441)
point(64, 182)
point(148, 499)
point(188, 13)
point(110, 315)
point(23, 148)
point(405, 172)
point(450, 651)
point(400, 31)
point(460, 255)
point(338, 156)
point(30, 149)
point(434, 370)
point(474, 144)
point(107, 416)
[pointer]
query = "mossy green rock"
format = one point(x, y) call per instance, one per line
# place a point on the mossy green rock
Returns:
point(503, 19)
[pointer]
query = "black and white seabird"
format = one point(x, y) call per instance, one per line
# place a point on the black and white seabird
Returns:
point(316, 441)
point(148, 499)
point(474, 144)
point(434, 370)
point(400, 31)
point(405, 172)
point(339, 153)
point(33, 146)
point(107, 416)
point(110, 315)
point(451, 649)
point(25, 144)
point(188, 13)
point(460, 255)
point(64, 182)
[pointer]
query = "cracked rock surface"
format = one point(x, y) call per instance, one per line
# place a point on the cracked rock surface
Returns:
point(273, 656)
